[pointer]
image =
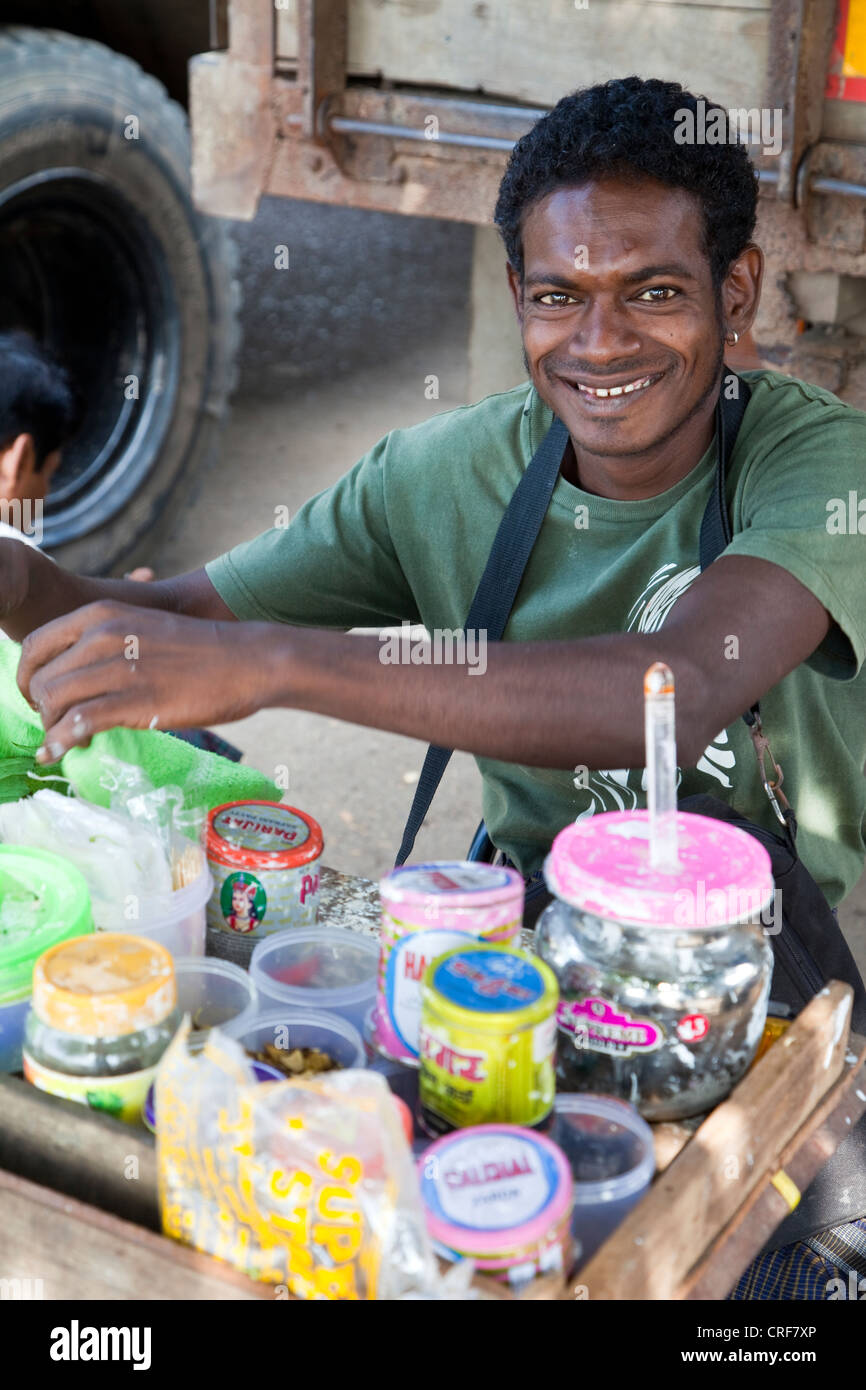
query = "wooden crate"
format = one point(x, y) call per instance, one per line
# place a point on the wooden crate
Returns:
point(536, 51)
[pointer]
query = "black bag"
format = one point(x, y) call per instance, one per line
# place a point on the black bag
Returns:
point(810, 948)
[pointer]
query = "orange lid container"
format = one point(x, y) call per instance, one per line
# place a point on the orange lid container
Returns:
point(104, 985)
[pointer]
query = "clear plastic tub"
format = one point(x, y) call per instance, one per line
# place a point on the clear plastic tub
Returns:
point(327, 968)
point(288, 1028)
point(177, 920)
point(43, 900)
point(214, 993)
point(610, 1152)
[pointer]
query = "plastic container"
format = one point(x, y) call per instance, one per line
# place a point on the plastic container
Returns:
point(178, 920)
point(323, 968)
point(610, 1152)
point(488, 1034)
point(428, 909)
point(213, 992)
point(664, 977)
point(264, 857)
point(288, 1028)
point(501, 1196)
point(104, 1011)
point(58, 909)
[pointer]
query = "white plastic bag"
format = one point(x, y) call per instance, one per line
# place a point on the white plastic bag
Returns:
point(121, 860)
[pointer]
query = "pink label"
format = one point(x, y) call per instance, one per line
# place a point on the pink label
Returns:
point(598, 1027)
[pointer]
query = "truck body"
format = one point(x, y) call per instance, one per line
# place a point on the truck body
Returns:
point(411, 106)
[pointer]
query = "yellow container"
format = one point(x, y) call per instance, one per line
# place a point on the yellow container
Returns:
point(487, 1039)
point(104, 1010)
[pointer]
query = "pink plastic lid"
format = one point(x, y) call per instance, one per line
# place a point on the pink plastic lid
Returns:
point(493, 1188)
point(461, 883)
point(601, 866)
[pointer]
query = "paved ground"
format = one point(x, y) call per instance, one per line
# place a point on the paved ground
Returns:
point(337, 352)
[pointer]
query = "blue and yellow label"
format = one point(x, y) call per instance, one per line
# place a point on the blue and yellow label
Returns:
point(489, 981)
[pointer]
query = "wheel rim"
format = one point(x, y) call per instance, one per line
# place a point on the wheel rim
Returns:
point(84, 274)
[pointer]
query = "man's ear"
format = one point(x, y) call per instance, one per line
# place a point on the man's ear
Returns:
point(17, 461)
point(741, 290)
point(515, 284)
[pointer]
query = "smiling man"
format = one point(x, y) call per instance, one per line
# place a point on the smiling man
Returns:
point(631, 264)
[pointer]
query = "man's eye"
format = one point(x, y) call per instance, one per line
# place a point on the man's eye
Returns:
point(659, 293)
point(554, 298)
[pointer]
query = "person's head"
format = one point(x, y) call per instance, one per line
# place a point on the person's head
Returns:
point(38, 414)
point(630, 259)
point(243, 899)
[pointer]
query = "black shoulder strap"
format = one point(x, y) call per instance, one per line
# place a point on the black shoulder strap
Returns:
point(517, 534)
point(716, 535)
point(496, 592)
point(716, 532)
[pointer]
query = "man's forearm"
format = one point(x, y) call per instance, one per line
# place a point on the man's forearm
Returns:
point(36, 590)
point(541, 704)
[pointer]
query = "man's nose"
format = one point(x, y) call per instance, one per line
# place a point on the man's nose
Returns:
point(604, 334)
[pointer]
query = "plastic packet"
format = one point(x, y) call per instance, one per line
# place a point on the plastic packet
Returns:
point(160, 809)
point(307, 1185)
point(121, 861)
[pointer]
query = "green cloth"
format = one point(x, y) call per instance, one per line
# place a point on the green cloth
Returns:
point(406, 533)
point(206, 779)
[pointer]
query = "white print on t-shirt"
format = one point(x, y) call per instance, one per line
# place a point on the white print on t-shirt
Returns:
point(609, 789)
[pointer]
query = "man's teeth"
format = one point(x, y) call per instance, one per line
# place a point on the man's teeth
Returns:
point(615, 390)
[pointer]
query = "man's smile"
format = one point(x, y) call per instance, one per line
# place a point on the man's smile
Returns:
point(611, 395)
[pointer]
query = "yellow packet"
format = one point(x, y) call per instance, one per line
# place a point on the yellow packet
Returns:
point(307, 1185)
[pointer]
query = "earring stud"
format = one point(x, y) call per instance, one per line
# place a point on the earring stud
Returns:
point(733, 338)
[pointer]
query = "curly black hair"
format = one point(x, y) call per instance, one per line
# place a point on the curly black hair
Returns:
point(626, 128)
point(36, 396)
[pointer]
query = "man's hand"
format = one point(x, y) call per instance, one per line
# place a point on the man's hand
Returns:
point(111, 664)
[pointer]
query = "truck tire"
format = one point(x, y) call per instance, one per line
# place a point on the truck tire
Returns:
point(108, 264)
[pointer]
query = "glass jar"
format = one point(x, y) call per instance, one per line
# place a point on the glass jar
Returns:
point(104, 1011)
point(663, 977)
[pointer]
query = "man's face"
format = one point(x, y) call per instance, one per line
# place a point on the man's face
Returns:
point(617, 293)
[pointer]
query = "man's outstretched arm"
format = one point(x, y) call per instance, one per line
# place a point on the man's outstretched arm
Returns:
point(545, 704)
point(34, 591)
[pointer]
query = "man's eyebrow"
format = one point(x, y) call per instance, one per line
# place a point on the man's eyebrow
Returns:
point(646, 272)
point(651, 272)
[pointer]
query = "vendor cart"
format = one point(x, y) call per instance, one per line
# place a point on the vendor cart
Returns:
point(79, 1209)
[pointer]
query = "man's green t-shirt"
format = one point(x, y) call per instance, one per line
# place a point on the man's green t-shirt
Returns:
point(406, 533)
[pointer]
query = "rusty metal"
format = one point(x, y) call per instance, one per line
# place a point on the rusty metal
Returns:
point(844, 188)
point(233, 131)
point(404, 132)
point(322, 43)
point(252, 33)
point(801, 35)
point(836, 217)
